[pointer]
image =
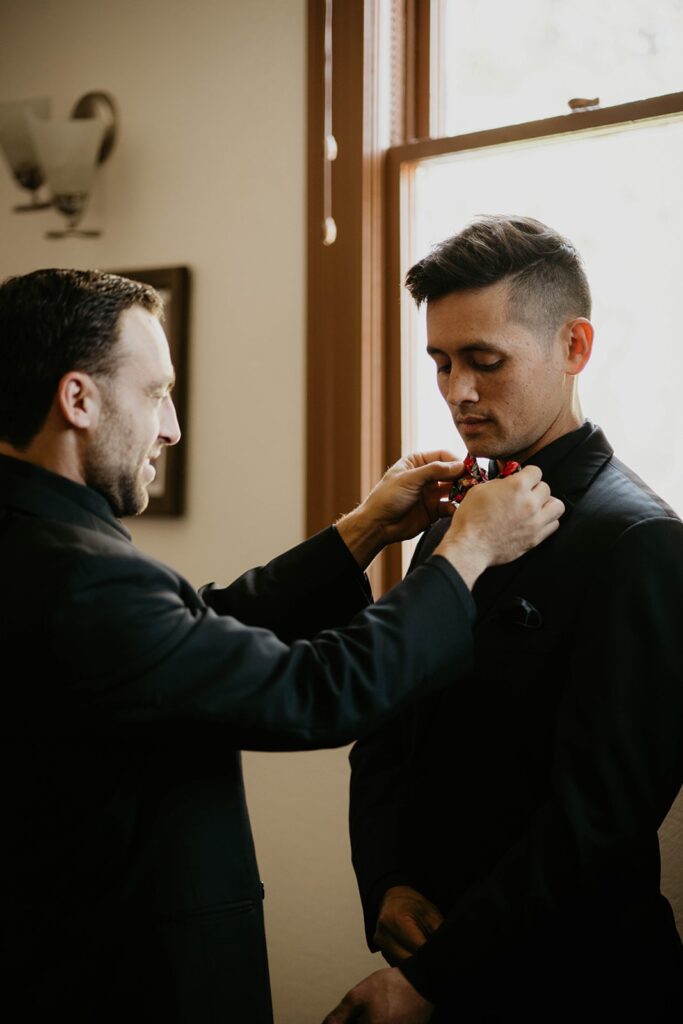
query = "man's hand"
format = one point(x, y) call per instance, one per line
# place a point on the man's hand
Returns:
point(412, 494)
point(498, 521)
point(406, 920)
point(385, 997)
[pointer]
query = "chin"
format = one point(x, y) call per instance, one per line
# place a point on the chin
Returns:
point(141, 501)
point(480, 443)
point(133, 502)
point(482, 449)
point(494, 448)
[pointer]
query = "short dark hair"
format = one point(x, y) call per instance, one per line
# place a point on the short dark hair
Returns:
point(548, 284)
point(51, 322)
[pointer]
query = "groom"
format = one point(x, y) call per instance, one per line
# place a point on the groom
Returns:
point(504, 833)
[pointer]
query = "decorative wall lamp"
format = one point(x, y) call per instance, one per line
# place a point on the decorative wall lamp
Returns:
point(63, 153)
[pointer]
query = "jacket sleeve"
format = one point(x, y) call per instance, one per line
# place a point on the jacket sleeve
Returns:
point(617, 768)
point(133, 649)
point(377, 818)
point(378, 796)
point(314, 586)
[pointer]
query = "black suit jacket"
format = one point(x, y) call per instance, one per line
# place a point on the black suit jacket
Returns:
point(525, 801)
point(130, 885)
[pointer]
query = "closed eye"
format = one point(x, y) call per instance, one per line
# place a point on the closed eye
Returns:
point(162, 394)
point(486, 367)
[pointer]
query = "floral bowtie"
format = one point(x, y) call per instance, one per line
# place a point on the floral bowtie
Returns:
point(474, 475)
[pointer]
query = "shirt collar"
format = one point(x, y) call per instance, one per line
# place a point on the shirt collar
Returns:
point(25, 486)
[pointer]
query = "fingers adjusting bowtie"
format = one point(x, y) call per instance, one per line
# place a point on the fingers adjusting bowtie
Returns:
point(474, 475)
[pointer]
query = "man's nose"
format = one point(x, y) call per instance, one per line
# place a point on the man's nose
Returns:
point(462, 387)
point(169, 429)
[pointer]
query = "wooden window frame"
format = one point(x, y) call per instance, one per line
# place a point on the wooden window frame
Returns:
point(355, 293)
point(401, 164)
point(345, 308)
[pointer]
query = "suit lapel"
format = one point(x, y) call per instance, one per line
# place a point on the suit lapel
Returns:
point(569, 475)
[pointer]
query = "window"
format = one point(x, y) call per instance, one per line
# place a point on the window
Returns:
point(484, 88)
point(628, 228)
point(498, 62)
point(613, 188)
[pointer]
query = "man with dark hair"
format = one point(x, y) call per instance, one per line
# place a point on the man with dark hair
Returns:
point(130, 886)
point(52, 322)
point(504, 833)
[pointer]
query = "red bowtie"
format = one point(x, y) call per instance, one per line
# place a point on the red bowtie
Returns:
point(474, 475)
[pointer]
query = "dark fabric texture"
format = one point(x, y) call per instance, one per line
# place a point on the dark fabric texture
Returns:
point(130, 885)
point(524, 800)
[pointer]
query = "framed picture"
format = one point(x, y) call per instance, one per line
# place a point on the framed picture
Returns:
point(167, 491)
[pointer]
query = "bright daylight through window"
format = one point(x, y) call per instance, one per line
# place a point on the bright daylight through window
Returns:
point(615, 192)
point(507, 61)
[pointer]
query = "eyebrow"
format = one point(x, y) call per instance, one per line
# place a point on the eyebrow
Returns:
point(474, 346)
point(165, 385)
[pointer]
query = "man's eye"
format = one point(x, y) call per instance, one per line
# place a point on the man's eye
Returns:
point(443, 368)
point(486, 367)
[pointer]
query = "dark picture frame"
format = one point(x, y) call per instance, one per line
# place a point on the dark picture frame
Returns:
point(167, 491)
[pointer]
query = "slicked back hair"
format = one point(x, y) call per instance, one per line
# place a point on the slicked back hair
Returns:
point(52, 322)
point(548, 284)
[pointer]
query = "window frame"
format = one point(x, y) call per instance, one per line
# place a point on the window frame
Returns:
point(356, 297)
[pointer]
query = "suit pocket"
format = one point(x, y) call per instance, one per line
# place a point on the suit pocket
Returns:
point(519, 666)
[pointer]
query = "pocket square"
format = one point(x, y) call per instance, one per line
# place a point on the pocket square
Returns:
point(519, 612)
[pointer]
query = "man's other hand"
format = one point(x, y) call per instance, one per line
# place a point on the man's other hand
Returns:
point(412, 494)
point(499, 521)
point(405, 922)
point(385, 997)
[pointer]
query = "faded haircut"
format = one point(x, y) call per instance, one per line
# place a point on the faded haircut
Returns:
point(548, 284)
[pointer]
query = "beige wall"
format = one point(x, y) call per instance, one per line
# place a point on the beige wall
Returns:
point(671, 843)
point(209, 171)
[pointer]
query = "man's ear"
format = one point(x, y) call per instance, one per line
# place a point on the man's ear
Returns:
point(578, 344)
point(79, 399)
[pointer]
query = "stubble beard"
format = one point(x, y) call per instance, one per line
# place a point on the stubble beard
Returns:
point(119, 484)
point(107, 467)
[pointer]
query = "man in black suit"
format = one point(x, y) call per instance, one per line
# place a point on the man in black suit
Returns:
point(504, 832)
point(130, 886)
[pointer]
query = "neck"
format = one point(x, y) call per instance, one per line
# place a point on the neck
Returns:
point(56, 455)
point(568, 419)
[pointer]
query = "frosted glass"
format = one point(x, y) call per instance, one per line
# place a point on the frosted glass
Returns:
point(68, 152)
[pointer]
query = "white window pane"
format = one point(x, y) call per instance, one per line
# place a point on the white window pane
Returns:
point(510, 61)
point(616, 195)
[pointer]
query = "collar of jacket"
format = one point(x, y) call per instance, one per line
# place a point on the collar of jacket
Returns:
point(569, 466)
point(39, 492)
point(571, 463)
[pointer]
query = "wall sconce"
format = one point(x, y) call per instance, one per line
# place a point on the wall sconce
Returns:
point(63, 153)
